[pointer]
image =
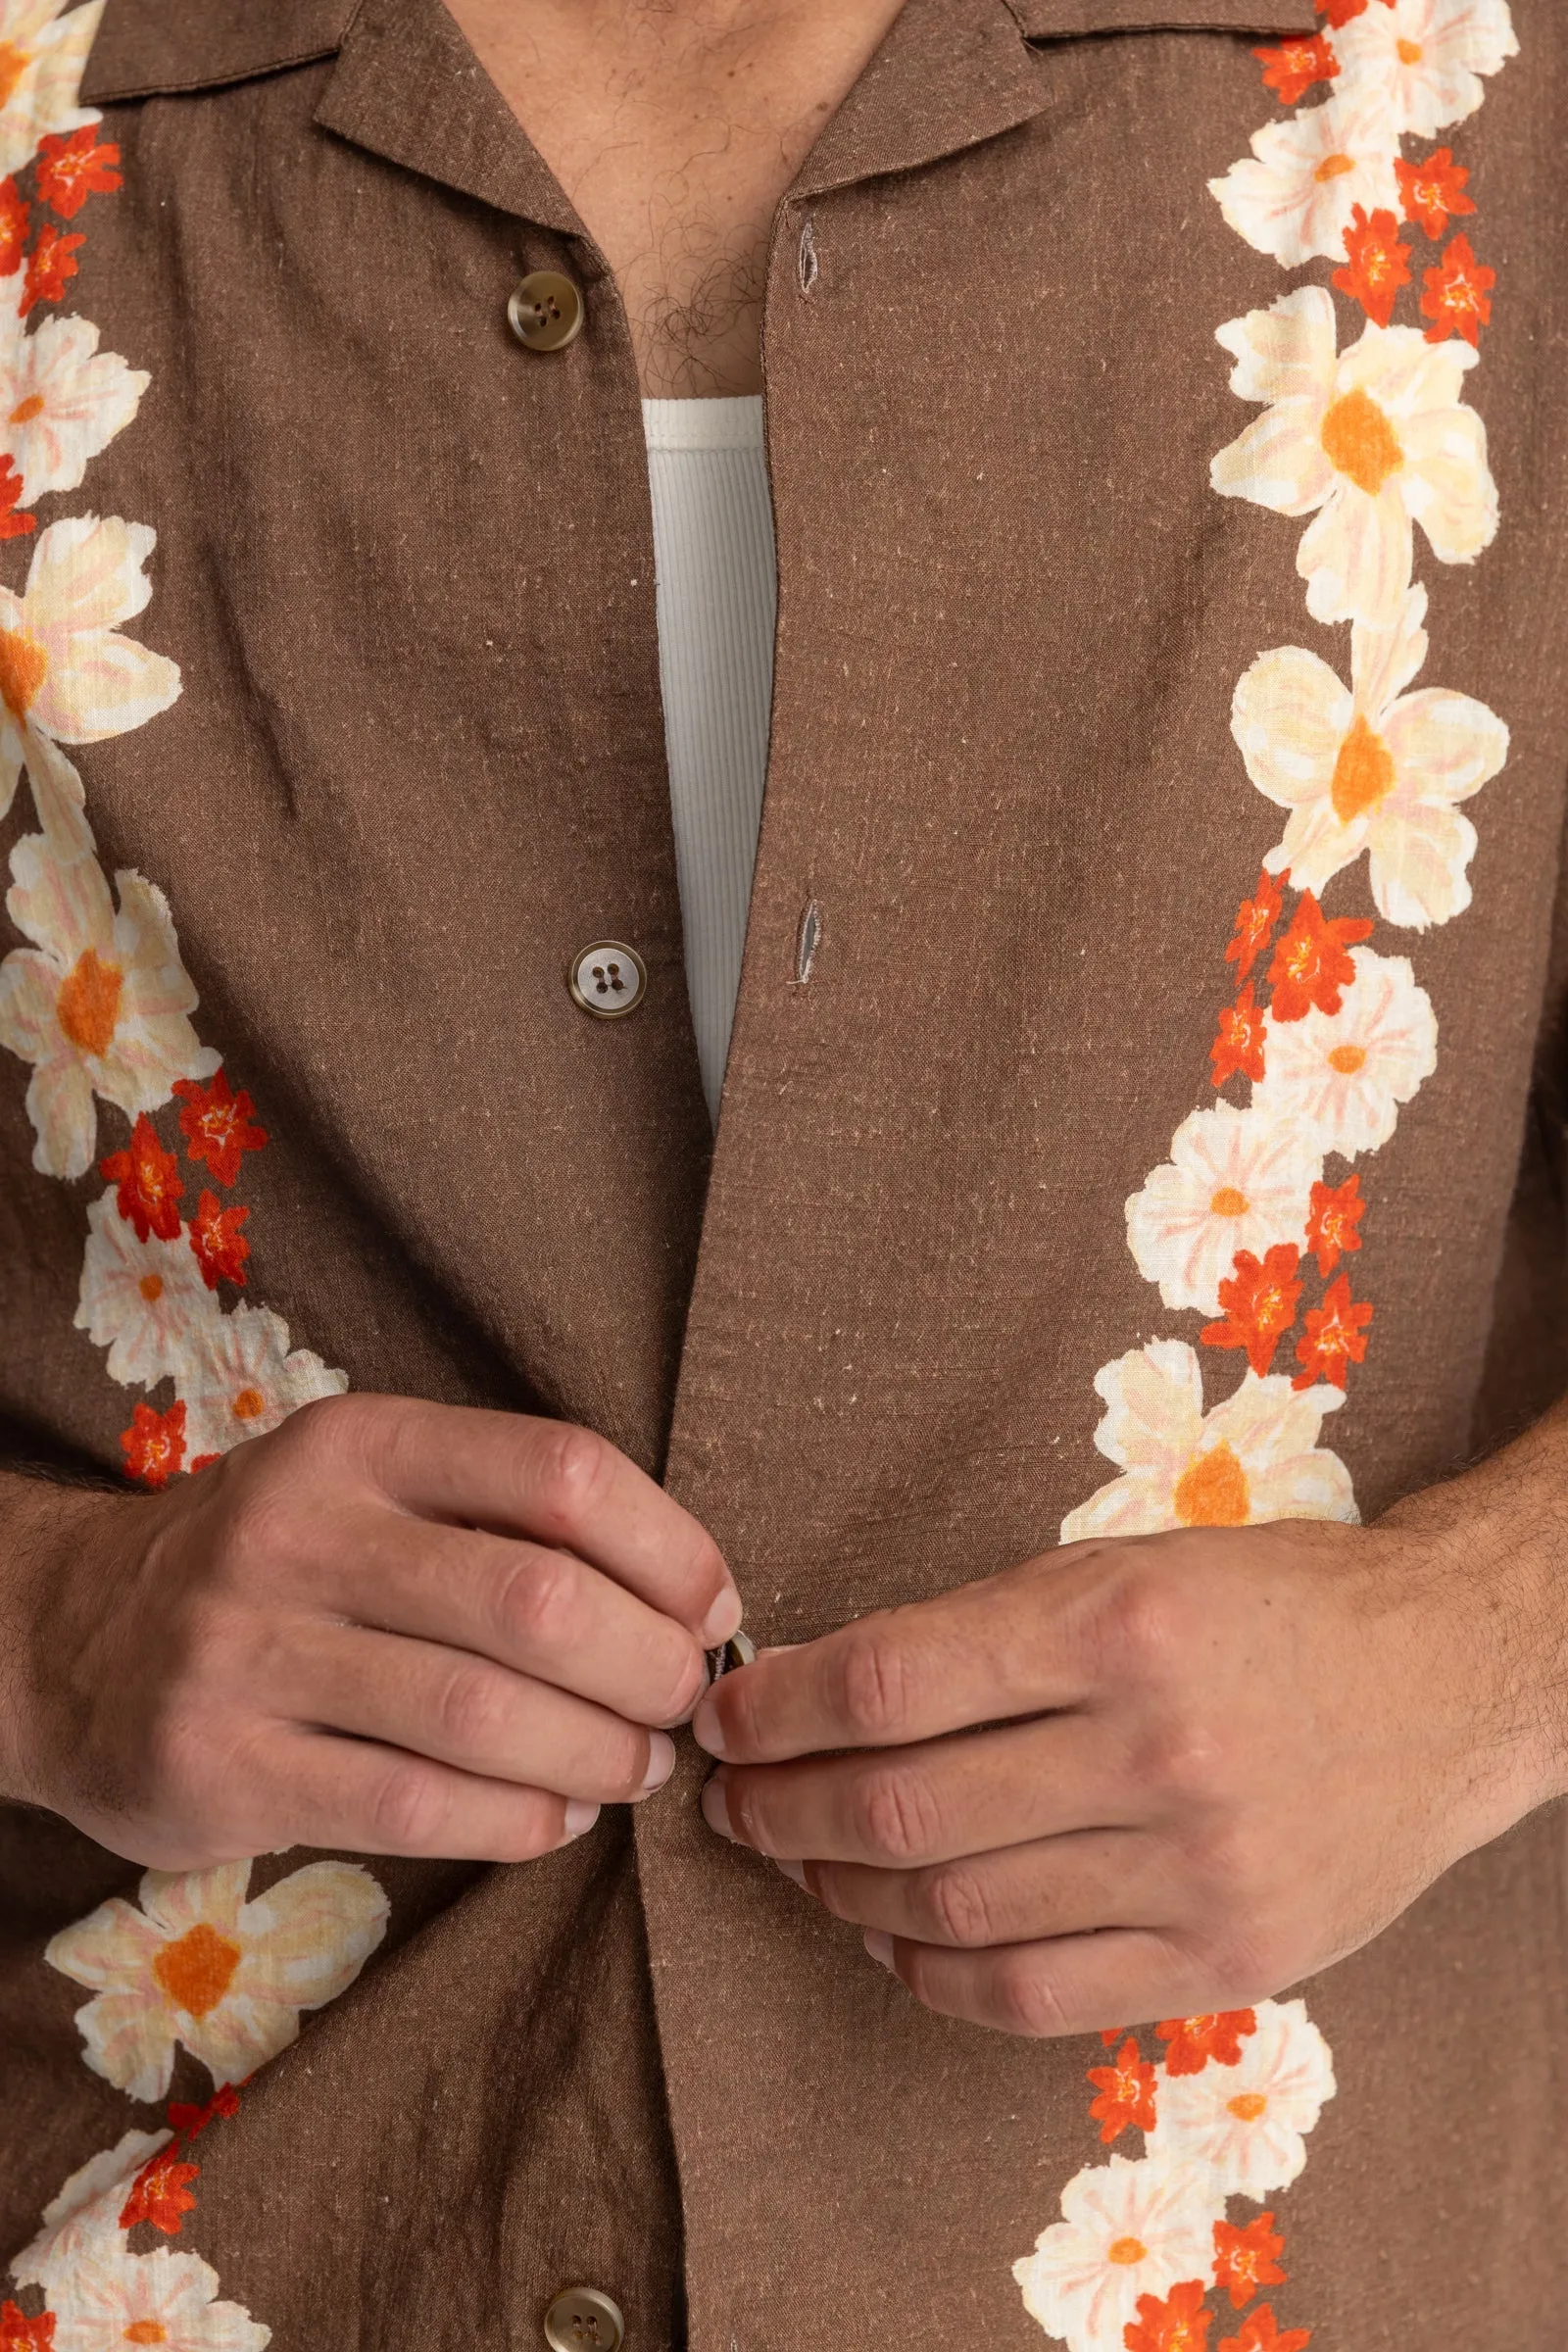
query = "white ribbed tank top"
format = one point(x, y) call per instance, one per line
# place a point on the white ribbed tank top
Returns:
point(717, 593)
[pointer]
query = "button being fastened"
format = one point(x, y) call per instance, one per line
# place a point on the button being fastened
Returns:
point(607, 979)
point(545, 311)
point(581, 2318)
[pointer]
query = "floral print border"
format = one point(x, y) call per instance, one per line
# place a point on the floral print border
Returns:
point(1325, 1041)
point(99, 1005)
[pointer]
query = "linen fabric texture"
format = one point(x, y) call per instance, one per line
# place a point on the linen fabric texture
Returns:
point(405, 569)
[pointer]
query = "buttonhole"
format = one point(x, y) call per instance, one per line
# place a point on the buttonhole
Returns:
point(811, 267)
point(806, 941)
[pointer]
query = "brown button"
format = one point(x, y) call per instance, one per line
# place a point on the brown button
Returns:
point(607, 979)
point(582, 2318)
point(545, 311)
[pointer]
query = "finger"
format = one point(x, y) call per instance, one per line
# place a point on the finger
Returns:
point(936, 1801)
point(1054, 1887)
point(1070, 1985)
point(459, 1709)
point(362, 1797)
point(909, 1674)
point(539, 1612)
point(561, 1485)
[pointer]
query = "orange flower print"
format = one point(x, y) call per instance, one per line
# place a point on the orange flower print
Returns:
point(1292, 70)
point(218, 1125)
point(19, 2334)
point(1259, 2332)
point(70, 170)
point(190, 2120)
point(1126, 2093)
point(1112, 2034)
point(1258, 1302)
point(159, 2193)
point(1239, 1044)
point(1195, 2040)
point(1433, 192)
point(1377, 265)
point(51, 262)
point(1335, 1213)
point(1313, 961)
point(14, 215)
point(1457, 299)
point(1246, 2259)
point(1179, 2322)
point(1255, 919)
point(150, 1183)
point(220, 1245)
point(14, 525)
point(153, 1446)
point(1335, 1338)
point(1339, 12)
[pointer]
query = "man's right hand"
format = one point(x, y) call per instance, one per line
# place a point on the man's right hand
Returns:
point(390, 1627)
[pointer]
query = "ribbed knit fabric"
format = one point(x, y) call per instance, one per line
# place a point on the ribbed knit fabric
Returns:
point(718, 593)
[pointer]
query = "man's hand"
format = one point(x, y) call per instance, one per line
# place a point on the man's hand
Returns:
point(392, 1627)
point(1146, 1779)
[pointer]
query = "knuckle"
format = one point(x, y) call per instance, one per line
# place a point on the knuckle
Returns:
point(569, 1474)
point(1027, 2002)
point(873, 1685)
point(899, 1818)
point(952, 1902)
point(325, 1432)
point(1141, 1624)
point(539, 1600)
point(467, 1710)
point(410, 1806)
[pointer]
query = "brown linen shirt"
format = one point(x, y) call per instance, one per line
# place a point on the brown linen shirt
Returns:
point(413, 760)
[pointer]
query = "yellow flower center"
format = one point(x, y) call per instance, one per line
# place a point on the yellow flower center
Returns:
point(146, 2332)
point(1247, 2106)
point(1348, 1059)
point(197, 1970)
point(151, 1287)
point(1127, 2252)
point(1409, 51)
point(26, 410)
point(1212, 1490)
point(14, 62)
point(1334, 166)
point(1359, 442)
point(1363, 773)
point(248, 1404)
point(88, 1004)
point(23, 663)
point(1228, 1202)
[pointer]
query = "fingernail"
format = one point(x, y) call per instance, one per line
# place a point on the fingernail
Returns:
point(580, 1816)
point(705, 1725)
point(793, 1870)
point(715, 1811)
point(697, 1701)
point(723, 1620)
point(661, 1762)
point(880, 1946)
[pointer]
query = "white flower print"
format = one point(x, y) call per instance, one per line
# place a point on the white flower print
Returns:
point(66, 672)
point(201, 1966)
point(1370, 441)
point(1342, 1076)
point(1370, 767)
point(99, 1005)
point(1294, 196)
point(1129, 2227)
point(1423, 58)
point(89, 2206)
point(1233, 1181)
point(147, 1301)
point(41, 57)
point(109, 2298)
point(240, 1379)
point(1244, 2124)
point(1254, 1458)
point(62, 401)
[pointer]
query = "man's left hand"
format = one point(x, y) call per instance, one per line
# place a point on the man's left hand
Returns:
point(1146, 1779)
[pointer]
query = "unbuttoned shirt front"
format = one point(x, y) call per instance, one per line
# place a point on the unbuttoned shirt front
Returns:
point(1157, 919)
